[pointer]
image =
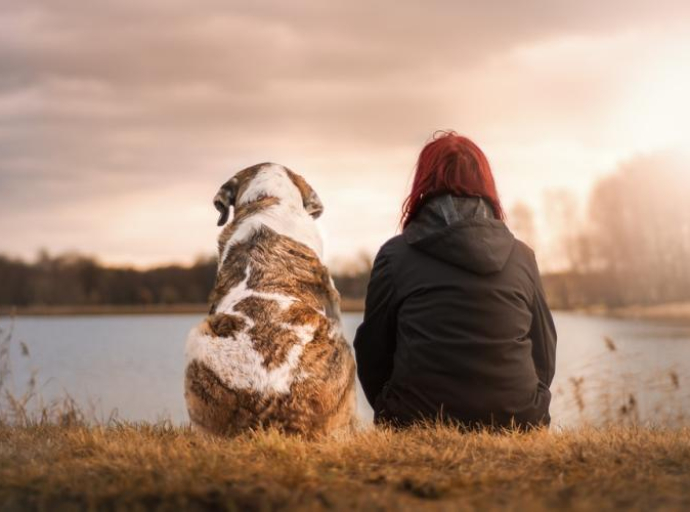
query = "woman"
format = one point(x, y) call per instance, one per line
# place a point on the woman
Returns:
point(456, 325)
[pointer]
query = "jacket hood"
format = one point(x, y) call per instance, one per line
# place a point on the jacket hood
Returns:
point(461, 231)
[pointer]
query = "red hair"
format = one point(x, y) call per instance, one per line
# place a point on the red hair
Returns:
point(453, 164)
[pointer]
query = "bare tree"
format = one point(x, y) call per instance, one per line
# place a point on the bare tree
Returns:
point(569, 245)
point(641, 228)
point(521, 220)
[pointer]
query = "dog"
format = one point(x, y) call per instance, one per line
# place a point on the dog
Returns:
point(271, 352)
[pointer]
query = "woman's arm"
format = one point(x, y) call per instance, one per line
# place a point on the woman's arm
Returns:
point(543, 334)
point(375, 339)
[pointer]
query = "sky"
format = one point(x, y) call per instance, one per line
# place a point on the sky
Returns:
point(120, 119)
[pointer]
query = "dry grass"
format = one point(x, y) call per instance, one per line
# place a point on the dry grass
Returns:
point(161, 467)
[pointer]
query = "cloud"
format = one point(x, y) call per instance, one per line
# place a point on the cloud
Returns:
point(103, 105)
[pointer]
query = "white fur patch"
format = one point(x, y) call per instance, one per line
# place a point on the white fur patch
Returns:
point(272, 180)
point(287, 218)
point(235, 360)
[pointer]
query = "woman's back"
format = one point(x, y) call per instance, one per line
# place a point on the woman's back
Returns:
point(456, 324)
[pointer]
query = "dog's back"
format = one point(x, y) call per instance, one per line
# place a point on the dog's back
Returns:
point(271, 352)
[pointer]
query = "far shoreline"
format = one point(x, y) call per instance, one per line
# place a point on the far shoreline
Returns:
point(347, 306)
point(669, 312)
point(677, 312)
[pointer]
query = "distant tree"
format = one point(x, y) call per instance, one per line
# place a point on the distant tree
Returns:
point(571, 244)
point(641, 228)
point(74, 279)
point(352, 276)
point(521, 220)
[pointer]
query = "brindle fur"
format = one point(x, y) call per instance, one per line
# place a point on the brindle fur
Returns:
point(225, 325)
point(321, 401)
point(241, 213)
point(309, 409)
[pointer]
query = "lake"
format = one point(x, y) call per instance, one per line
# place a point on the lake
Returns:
point(608, 370)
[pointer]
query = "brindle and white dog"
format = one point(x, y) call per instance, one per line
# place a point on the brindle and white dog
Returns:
point(271, 352)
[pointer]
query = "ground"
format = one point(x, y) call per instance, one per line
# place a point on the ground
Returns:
point(127, 467)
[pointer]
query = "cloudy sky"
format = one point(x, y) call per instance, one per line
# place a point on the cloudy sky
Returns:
point(120, 119)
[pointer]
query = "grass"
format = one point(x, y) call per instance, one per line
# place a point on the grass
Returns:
point(436, 468)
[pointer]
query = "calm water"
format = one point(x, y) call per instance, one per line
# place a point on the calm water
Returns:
point(135, 364)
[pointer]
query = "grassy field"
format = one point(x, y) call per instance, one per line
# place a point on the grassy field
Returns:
point(160, 467)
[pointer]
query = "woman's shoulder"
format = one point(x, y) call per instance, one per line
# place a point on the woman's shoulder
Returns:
point(390, 254)
point(393, 245)
point(523, 250)
point(523, 255)
point(394, 250)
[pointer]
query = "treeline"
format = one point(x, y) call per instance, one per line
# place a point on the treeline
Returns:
point(77, 280)
point(632, 245)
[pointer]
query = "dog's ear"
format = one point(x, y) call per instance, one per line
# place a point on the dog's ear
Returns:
point(224, 199)
point(310, 199)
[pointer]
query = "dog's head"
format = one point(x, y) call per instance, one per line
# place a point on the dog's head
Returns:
point(266, 180)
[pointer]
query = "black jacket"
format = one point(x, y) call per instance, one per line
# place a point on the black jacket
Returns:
point(456, 324)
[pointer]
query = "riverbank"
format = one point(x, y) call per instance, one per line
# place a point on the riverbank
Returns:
point(671, 312)
point(159, 467)
point(347, 306)
point(677, 312)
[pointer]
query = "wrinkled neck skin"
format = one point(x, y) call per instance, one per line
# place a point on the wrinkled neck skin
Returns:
point(286, 216)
